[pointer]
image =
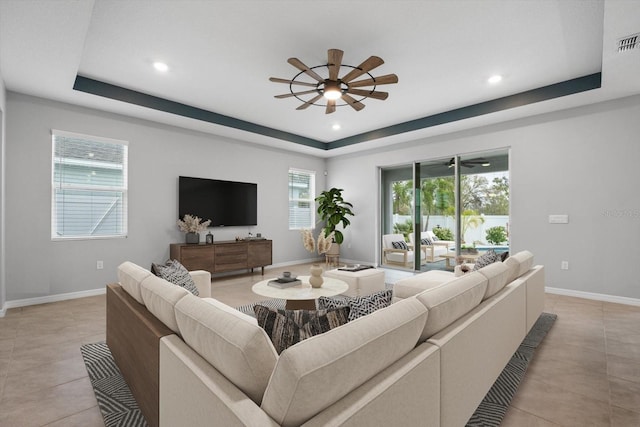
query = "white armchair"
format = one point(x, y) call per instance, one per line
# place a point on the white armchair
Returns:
point(436, 249)
point(391, 255)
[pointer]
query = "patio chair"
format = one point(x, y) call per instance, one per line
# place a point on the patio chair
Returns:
point(400, 256)
point(434, 251)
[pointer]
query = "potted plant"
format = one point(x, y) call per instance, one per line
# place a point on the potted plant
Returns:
point(333, 210)
point(192, 225)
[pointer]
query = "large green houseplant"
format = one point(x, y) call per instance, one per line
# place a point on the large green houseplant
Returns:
point(333, 210)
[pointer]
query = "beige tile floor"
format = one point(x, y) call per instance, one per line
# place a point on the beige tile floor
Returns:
point(585, 373)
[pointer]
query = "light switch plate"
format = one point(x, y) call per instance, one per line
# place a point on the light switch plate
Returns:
point(558, 219)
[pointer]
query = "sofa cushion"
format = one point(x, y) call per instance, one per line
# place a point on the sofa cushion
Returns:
point(485, 259)
point(160, 298)
point(239, 349)
point(496, 274)
point(450, 301)
point(174, 272)
point(130, 276)
point(358, 306)
point(411, 286)
point(519, 264)
point(321, 370)
point(289, 327)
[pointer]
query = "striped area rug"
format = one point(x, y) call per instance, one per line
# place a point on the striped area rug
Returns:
point(117, 405)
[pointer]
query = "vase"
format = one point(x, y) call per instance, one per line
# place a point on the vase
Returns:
point(193, 238)
point(316, 276)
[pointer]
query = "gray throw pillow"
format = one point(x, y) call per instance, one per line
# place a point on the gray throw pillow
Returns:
point(485, 259)
point(358, 306)
point(289, 327)
point(174, 272)
point(400, 245)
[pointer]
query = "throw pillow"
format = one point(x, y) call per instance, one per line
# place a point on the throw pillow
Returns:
point(400, 245)
point(174, 272)
point(485, 259)
point(288, 327)
point(426, 241)
point(358, 306)
point(504, 256)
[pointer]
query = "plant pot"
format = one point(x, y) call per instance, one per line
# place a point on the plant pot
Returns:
point(334, 249)
point(193, 238)
point(316, 280)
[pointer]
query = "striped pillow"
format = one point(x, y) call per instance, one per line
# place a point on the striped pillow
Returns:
point(400, 245)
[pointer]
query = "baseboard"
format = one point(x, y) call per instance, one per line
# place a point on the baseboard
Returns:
point(52, 298)
point(3, 311)
point(594, 296)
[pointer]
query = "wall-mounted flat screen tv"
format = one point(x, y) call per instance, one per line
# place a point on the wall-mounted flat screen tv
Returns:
point(225, 203)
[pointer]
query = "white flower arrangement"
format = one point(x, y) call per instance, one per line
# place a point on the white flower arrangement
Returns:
point(192, 224)
point(323, 243)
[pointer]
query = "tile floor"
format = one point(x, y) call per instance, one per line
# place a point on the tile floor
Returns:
point(586, 372)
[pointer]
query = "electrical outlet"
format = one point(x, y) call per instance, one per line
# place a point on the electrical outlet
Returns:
point(564, 265)
point(99, 265)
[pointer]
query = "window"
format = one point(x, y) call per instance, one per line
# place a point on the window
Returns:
point(302, 196)
point(88, 186)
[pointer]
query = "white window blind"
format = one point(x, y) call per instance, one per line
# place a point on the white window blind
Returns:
point(302, 186)
point(89, 187)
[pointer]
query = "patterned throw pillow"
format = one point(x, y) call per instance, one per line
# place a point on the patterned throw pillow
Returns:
point(485, 259)
point(426, 241)
point(359, 306)
point(174, 272)
point(288, 327)
point(401, 244)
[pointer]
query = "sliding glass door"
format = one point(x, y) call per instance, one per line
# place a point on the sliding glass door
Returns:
point(431, 210)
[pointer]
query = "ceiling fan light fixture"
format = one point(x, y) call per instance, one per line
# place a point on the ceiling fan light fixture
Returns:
point(486, 164)
point(332, 93)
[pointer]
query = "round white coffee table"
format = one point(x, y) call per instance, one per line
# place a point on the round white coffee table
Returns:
point(303, 296)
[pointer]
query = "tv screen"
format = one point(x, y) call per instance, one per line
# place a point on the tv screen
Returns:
point(225, 203)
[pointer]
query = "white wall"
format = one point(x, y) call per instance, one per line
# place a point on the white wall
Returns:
point(583, 162)
point(2, 192)
point(158, 154)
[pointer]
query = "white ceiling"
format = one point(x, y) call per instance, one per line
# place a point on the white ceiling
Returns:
point(221, 54)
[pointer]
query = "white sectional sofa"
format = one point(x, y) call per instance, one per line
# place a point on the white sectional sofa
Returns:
point(426, 360)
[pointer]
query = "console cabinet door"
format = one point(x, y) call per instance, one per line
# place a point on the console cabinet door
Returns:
point(195, 257)
point(259, 253)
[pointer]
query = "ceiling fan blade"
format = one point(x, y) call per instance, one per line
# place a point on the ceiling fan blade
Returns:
point(356, 105)
point(369, 93)
point(331, 106)
point(292, 82)
point(334, 57)
point(382, 80)
point(300, 66)
point(309, 102)
point(368, 65)
point(289, 95)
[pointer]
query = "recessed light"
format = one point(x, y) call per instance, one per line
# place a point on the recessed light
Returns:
point(161, 66)
point(495, 79)
point(335, 127)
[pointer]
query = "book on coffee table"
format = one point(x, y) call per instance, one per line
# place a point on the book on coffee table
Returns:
point(354, 268)
point(282, 283)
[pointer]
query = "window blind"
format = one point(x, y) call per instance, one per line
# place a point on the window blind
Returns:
point(301, 199)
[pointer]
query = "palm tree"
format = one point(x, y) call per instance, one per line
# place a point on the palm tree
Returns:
point(402, 197)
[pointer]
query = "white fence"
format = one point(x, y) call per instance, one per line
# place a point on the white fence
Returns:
point(471, 235)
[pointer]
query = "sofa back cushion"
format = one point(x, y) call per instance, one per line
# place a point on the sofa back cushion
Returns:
point(496, 274)
point(519, 264)
point(238, 348)
point(130, 276)
point(321, 370)
point(160, 298)
point(450, 301)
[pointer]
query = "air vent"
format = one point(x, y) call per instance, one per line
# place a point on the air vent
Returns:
point(629, 43)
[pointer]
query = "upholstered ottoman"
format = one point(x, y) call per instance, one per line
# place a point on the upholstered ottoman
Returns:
point(363, 282)
point(414, 285)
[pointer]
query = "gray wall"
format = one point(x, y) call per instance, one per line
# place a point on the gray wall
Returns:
point(2, 192)
point(158, 154)
point(583, 162)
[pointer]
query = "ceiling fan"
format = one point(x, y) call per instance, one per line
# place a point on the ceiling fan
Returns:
point(328, 85)
point(469, 163)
